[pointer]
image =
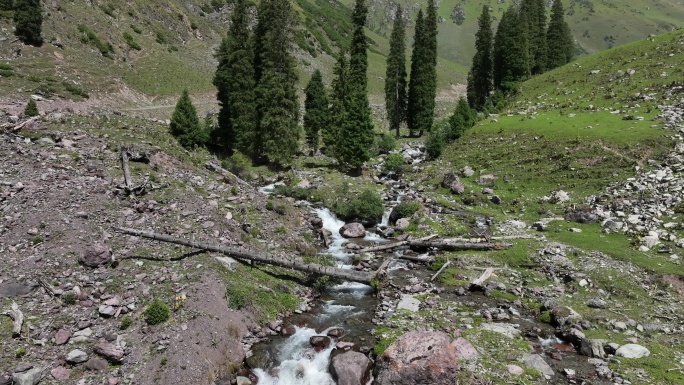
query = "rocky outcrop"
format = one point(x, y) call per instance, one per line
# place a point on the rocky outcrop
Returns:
point(418, 358)
point(353, 230)
point(95, 255)
point(350, 368)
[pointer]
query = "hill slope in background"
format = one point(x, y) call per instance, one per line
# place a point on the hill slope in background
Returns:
point(143, 51)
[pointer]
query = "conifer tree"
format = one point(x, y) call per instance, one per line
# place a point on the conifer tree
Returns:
point(28, 20)
point(510, 51)
point(535, 13)
point(316, 115)
point(356, 134)
point(276, 80)
point(559, 36)
point(462, 119)
point(395, 77)
point(339, 99)
point(234, 80)
point(6, 5)
point(415, 111)
point(185, 125)
point(31, 108)
point(480, 77)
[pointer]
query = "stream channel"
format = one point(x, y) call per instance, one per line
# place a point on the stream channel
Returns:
point(345, 314)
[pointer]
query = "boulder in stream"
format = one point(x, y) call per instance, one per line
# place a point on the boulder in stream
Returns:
point(418, 358)
point(353, 230)
point(350, 368)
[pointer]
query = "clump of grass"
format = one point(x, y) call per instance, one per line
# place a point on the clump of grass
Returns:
point(131, 41)
point(75, 90)
point(90, 37)
point(125, 323)
point(136, 29)
point(156, 313)
point(69, 298)
point(394, 163)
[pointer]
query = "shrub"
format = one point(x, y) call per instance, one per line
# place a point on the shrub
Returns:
point(269, 205)
point(136, 29)
point(235, 300)
point(90, 37)
point(238, 163)
point(69, 298)
point(125, 323)
point(131, 42)
point(295, 192)
point(156, 313)
point(435, 144)
point(185, 125)
point(161, 39)
point(31, 108)
point(367, 207)
point(405, 209)
point(394, 163)
point(75, 90)
point(385, 143)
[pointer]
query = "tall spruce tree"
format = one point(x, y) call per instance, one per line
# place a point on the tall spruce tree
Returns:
point(417, 89)
point(339, 99)
point(395, 77)
point(431, 64)
point(535, 13)
point(559, 36)
point(480, 82)
point(510, 51)
point(277, 134)
point(234, 80)
point(6, 5)
point(316, 115)
point(31, 108)
point(28, 21)
point(185, 125)
point(356, 134)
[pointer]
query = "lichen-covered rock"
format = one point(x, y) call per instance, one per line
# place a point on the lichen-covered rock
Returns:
point(418, 358)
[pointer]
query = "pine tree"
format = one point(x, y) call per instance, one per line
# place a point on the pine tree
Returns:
point(356, 134)
point(395, 77)
point(559, 36)
point(480, 77)
point(6, 5)
point(535, 12)
point(276, 81)
point(462, 119)
point(431, 64)
point(185, 125)
point(510, 51)
point(234, 80)
point(417, 83)
point(28, 20)
point(339, 99)
point(316, 115)
point(31, 108)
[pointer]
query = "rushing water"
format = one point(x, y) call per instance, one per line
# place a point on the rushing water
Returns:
point(347, 305)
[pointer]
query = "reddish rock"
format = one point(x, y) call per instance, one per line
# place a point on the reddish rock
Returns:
point(353, 230)
point(336, 332)
point(95, 255)
point(109, 351)
point(418, 358)
point(62, 337)
point(465, 349)
point(97, 364)
point(350, 368)
point(319, 342)
point(60, 373)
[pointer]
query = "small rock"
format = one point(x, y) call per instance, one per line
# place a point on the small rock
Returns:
point(76, 356)
point(109, 351)
point(30, 377)
point(95, 255)
point(464, 349)
point(353, 230)
point(632, 351)
point(515, 369)
point(97, 364)
point(22, 367)
point(402, 224)
point(596, 303)
point(621, 326)
point(535, 361)
point(60, 373)
point(107, 311)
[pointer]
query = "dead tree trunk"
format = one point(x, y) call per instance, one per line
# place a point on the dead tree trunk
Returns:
point(291, 263)
point(478, 284)
point(18, 318)
point(459, 246)
point(128, 183)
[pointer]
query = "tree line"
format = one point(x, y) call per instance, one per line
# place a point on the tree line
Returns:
point(28, 19)
point(524, 45)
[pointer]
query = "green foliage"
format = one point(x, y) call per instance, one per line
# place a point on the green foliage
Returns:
point(74, 89)
point(236, 300)
point(327, 18)
point(480, 81)
point(535, 26)
point(31, 108)
point(136, 29)
point(90, 37)
point(185, 125)
point(462, 119)
point(295, 192)
point(269, 206)
point(161, 38)
point(6, 70)
point(395, 74)
point(28, 21)
point(356, 129)
point(131, 41)
point(545, 317)
point(277, 104)
point(125, 323)
point(511, 51)
point(385, 143)
point(394, 163)
point(234, 81)
point(20, 352)
point(69, 298)
point(238, 163)
point(435, 143)
point(340, 101)
point(6, 5)
point(6, 67)
point(405, 209)
point(366, 207)
point(421, 92)
point(316, 116)
point(109, 9)
point(156, 313)
point(561, 51)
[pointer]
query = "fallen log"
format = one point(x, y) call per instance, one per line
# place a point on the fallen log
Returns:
point(128, 183)
point(19, 126)
point(459, 246)
point(393, 245)
point(18, 318)
point(478, 283)
point(227, 174)
point(241, 254)
point(441, 269)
